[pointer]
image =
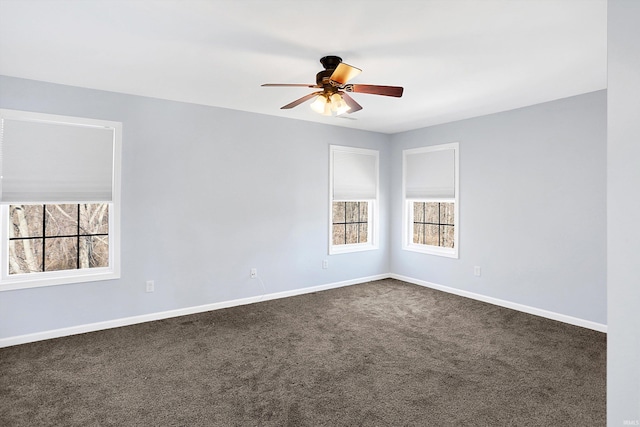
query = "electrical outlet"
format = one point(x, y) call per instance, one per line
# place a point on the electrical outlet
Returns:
point(150, 286)
point(325, 263)
point(477, 271)
point(254, 273)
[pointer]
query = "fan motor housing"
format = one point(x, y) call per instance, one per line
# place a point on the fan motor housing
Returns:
point(322, 78)
point(329, 63)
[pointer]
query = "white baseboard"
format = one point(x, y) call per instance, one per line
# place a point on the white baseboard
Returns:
point(508, 304)
point(126, 321)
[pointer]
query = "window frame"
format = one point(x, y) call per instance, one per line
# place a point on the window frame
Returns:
point(372, 208)
point(407, 205)
point(60, 277)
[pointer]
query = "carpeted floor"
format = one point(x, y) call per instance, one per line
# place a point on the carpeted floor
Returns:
point(384, 353)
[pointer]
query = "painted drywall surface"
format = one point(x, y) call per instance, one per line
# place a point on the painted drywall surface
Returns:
point(207, 194)
point(623, 205)
point(532, 206)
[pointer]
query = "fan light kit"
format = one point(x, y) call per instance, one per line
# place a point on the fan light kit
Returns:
point(333, 100)
point(333, 105)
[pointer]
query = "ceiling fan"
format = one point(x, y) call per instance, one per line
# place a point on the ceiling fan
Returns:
point(333, 99)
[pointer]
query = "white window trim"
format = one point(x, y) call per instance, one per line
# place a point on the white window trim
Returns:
point(51, 278)
point(407, 208)
point(372, 227)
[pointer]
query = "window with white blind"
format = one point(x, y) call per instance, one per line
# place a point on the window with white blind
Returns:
point(430, 189)
point(59, 199)
point(353, 199)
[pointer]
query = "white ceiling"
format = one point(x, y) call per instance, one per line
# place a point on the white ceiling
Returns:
point(455, 58)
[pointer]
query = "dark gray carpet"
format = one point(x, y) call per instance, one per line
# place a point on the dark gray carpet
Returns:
point(384, 353)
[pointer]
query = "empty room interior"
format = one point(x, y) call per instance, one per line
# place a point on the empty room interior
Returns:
point(338, 213)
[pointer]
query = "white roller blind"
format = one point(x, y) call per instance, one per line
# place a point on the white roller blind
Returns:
point(44, 161)
point(430, 174)
point(355, 174)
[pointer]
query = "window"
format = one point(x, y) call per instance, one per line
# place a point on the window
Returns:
point(58, 237)
point(59, 199)
point(430, 200)
point(353, 199)
point(350, 222)
point(433, 224)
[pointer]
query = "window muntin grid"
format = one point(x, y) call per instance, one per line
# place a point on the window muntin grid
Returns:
point(57, 237)
point(434, 224)
point(350, 222)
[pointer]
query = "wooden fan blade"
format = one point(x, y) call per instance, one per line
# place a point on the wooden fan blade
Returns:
point(353, 105)
point(300, 100)
point(343, 73)
point(287, 85)
point(376, 90)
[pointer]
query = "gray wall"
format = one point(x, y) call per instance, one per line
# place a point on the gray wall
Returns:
point(207, 194)
point(623, 208)
point(532, 206)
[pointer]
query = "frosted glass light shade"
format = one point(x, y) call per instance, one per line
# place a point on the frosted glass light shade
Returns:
point(318, 105)
point(338, 106)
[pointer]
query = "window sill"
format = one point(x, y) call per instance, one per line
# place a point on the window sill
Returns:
point(25, 281)
point(345, 249)
point(432, 250)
